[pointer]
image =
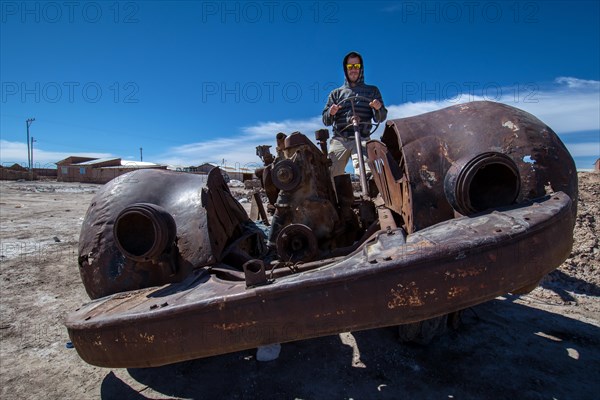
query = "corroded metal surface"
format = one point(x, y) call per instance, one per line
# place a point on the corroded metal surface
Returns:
point(425, 148)
point(203, 211)
point(466, 202)
point(388, 281)
point(309, 221)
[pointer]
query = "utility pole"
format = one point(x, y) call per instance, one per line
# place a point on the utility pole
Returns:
point(141, 158)
point(28, 122)
point(31, 169)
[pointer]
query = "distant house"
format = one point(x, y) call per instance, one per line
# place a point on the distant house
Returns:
point(240, 173)
point(204, 168)
point(97, 170)
point(597, 165)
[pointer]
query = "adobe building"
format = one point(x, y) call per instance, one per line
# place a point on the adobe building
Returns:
point(240, 173)
point(97, 170)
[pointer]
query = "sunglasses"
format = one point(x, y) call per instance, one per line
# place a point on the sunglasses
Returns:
point(352, 66)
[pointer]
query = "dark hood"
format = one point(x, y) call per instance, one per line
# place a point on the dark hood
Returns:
point(361, 76)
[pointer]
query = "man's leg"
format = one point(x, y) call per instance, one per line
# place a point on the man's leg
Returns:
point(355, 158)
point(340, 150)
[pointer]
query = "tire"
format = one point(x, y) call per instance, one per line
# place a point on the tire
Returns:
point(423, 332)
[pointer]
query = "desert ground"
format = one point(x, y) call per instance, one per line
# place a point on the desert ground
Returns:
point(543, 345)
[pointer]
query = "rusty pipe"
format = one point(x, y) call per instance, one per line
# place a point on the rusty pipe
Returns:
point(361, 164)
point(280, 139)
point(489, 180)
point(144, 231)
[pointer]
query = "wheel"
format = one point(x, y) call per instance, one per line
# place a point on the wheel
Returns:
point(423, 332)
point(353, 100)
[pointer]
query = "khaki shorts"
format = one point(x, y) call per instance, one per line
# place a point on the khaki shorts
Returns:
point(340, 151)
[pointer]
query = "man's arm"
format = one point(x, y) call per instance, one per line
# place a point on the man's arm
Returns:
point(381, 114)
point(327, 117)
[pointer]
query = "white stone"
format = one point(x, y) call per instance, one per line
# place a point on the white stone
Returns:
point(268, 353)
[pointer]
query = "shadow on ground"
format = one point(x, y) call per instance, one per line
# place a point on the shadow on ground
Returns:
point(561, 284)
point(503, 350)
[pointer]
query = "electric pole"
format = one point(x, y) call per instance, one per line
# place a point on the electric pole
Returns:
point(28, 123)
point(31, 169)
point(141, 158)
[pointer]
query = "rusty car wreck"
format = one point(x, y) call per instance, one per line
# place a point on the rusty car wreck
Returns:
point(463, 204)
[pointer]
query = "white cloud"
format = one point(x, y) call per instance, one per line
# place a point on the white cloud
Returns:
point(577, 83)
point(14, 152)
point(565, 111)
point(571, 105)
point(241, 150)
point(411, 109)
point(270, 129)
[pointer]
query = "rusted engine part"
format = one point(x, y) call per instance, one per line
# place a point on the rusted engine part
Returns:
point(309, 220)
point(136, 234)
point(465, 159)
point(257, 209)
point(322, 135)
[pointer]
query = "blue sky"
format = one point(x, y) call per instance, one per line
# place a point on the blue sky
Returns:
point(194, 82)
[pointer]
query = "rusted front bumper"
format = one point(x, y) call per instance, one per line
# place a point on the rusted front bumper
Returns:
point(390, 280)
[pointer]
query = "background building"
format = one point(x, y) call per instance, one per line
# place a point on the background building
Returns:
point(97, 170)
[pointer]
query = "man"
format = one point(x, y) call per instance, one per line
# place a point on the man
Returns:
point(339, 113)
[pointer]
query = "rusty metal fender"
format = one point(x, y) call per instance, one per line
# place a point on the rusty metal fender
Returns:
point(446, 162)
point(169, 223)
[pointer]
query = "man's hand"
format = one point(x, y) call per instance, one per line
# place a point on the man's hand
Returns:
point(334, 109)
point(375, 104)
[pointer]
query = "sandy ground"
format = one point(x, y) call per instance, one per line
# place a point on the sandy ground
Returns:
point(543, 345)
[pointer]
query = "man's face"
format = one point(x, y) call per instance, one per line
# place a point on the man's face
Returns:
point(353, 74)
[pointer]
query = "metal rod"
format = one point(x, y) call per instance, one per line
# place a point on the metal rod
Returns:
point(359, 153)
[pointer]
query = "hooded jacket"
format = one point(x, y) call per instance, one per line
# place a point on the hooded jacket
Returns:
point(341, 121)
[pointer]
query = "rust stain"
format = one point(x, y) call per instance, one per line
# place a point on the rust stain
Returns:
point(511, 125)
point(463, 273)
point(456, 291)
point(147, 338)
point(428, 177)
point(97, 341)
point(405, 296)
point(234, 325)
point(322, 315)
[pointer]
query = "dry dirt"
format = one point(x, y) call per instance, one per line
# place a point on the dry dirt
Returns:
point(543, 345)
